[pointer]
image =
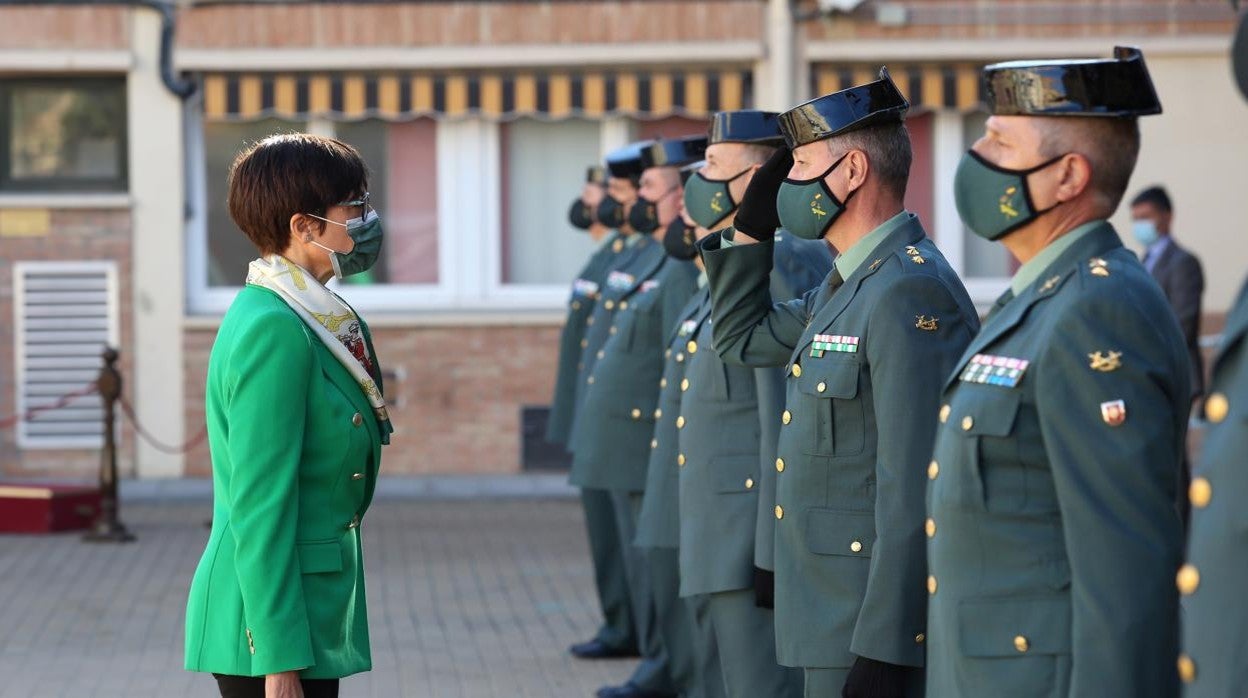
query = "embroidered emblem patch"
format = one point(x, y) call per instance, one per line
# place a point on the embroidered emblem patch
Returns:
point(1098, 267)
point(585, 288)
point(1105, 363)
point(620, 280)
point(833, 342)
point(927, 324)
point(914, 255)
point(1007, 203)
point(1004, 371)
point(1114, 412)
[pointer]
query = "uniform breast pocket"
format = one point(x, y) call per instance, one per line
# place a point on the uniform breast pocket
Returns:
point(643, 325)
point(1017, 647)
point(993, 450)
point(830, 395)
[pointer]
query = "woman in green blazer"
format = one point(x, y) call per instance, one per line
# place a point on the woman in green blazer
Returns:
point(296, 421)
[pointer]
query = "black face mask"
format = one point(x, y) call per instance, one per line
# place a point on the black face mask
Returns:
point(643, 217)
point(679, 240)
point(610, 212)
point(580, 215)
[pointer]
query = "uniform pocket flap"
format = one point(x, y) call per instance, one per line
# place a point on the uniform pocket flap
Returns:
point(834, 378)
point(325, 556)
point(1011, 627)
point(992, 413)
point(734, 473)
point(834, 532)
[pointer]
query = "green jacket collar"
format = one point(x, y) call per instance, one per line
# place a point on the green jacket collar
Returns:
point(1030, 272)
point(849, 261)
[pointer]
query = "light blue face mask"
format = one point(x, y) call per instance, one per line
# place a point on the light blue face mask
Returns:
point(365, 232)
point(1145, 232)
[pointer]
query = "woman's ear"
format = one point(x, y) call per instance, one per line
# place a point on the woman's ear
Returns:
point(303, 227)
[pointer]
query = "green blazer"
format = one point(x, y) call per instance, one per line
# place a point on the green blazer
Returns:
point(585, 292)
point(1053, 535)
point(1215, 620)
point(849, 500)
point(616, 423)
point(658, 523)
point(295, 452)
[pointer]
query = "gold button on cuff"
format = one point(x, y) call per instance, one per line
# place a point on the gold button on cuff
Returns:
point(680, 459)
point(931, 584)
point(684, 384)
point(1021, 643)
point(967, 423)
point(779, 512)
point(357, 476)
point(357, 419)
point(654, 443)
point(933, 469)
point(1216, 407)
point(821, 387)
point(796, 370)
point(1188, 579)
point(930, 527)
point(779, 465)
point(855, 547)
point(920, 638)
point(636, 413)
point(786, 417)
point(692, 347)
point(749, 483)
point(680, 422)
point(944, 413)
point(1187, 668)
point(1200, 492)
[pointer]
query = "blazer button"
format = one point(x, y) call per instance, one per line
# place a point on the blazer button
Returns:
point(1187, 668)
point(931, 584)
point(1188, 579)
point(930, 528)
point(357, 419)
point(779, 512)
point(920, 638)
point(610, 304)
point(684, 384)
point(1200, 492)
point(855, 547)
point(680, 459)
point(786, 417)
point(796, 370)
point(821, 387)
point(354, 523)
point(680, 422)
point(944, 413)
point(1216, 407)
point(662, 382)
point(749, 483)
point(1021, 643)
point(357, 476)
point(636, 413)
point(967, 423)
point(933, 469)
point(692, 347)
point(658, 413)
point(779, 465)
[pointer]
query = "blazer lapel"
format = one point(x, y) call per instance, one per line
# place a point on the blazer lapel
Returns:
point(346, 382)
point(697, 309)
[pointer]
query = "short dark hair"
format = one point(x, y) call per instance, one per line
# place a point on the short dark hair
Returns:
point(889, 152)
point(290, 173)
point(1156, 196)
point(1110, 145)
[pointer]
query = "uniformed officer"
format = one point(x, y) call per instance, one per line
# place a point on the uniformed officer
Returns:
point(720, 427)
point(866, 354)
point(1053, 536)
point(616, 422)
point(618, 635)
point(1212, 583)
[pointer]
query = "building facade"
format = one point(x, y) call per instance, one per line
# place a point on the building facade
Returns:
point(477, 119)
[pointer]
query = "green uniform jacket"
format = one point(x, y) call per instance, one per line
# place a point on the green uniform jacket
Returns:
point(616, 423)
point(864, 380)
point(1215, 620)
point(1054, 538)
point(295, 452)
point(585, 292)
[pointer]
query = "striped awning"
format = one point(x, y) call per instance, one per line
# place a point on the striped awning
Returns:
point(929, 86)
point(394, 96)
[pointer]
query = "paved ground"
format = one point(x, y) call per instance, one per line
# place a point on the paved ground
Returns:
point(470, 596)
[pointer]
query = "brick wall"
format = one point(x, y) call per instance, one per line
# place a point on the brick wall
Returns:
point(457, 410)
point(75, 235)
point(81, 28)
point(468, 23)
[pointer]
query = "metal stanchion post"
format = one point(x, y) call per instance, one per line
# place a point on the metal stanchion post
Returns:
point(108, 528)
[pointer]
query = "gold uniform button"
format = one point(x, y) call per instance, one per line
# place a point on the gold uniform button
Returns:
point(623, 305)
point(967, 423)
point(1216, 407)
point(1021, 643)
point(610, 304)
point(920, 638)
point(930, 527)
point(680, 358)
point(855, 547)
point(357, 419)
point(576, 305)
point(1188, 579)
point(821, 387)
point(779, 465)
point(613, 330)
point(796, 371)
point(658, 413)
point(680, 459)
point(590, 380)
point(602, 353)
point(786, 417)
point(680, 422)
point(749, 483)
point(1200, 492)
point(1187, 668)
point(684, 385)
point(584, 343)
point(667, 354)
point(692, 347)
point(931, 584)
point(617, 246)
point(589, 321)
point(662, 382)
point(779, 512)
point(654, 443)
point(636, 413)
point(933, 469)
point(944, 413)
point(357, 476)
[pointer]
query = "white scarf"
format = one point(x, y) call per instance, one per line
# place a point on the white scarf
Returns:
point(333, 321)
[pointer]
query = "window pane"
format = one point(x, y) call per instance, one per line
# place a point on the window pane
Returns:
point(402, 159)
point(543, 168)
point(982, 258)
point(67, 133)
point(229, 251)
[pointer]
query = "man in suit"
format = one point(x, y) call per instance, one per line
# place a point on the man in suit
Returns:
point(616, 422)
point(865, 354)
point(1182, 280)
point(1053, 536)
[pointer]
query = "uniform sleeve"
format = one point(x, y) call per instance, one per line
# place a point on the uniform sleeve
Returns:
point(908, 368)
point(269, 372)
point(749, 329)
point(1116, 489)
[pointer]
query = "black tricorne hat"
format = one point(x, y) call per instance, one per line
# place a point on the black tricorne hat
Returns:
point(1112, 87)
point(625, 162)
point(674, 152)
point(746, 126)
point(874, 103)
point(595, 174)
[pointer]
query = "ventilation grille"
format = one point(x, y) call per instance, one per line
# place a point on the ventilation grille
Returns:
point(65, 314)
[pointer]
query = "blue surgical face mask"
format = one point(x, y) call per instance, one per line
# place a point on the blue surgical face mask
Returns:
point(1145, 232)
point(366, 233)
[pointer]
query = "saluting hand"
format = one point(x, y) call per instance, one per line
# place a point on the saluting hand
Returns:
point(283, 685)
point(757, 216)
